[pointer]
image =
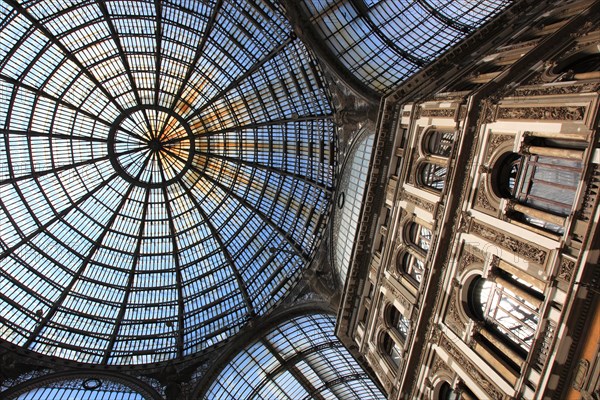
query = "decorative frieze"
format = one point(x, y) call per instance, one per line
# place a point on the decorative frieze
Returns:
point(419, 202)
point(573, 88)
point(438, 112)
point(525, 249)
point(472, 370)
point(575, 113)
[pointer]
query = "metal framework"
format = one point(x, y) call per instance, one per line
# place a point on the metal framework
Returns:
point(299, 359)
point(383, 42)
point(166, 172)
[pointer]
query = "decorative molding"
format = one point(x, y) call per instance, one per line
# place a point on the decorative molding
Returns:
point(464, 222)
point(397, 295)
point(489, 110)
point(574, 113)
point(495, 141)
point(573, 88)
point(543, 344)
point(580, 374)
point(438, 365)
point(419, 202)
point(566, 269)
point(590, 194)
point(482, 199)
point(472, 370)
point(439, 213)
point(413, 163)
point(453, 318)
point(527, 250)
point(373, 360)
point(438, 112)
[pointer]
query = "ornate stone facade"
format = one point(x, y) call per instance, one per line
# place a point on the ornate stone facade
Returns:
point(472, 242)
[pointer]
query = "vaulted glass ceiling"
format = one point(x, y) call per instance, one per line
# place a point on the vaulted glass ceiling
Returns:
point(166, 173)
point(299, 359)
point(383, 42)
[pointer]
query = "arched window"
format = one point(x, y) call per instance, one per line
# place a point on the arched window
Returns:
point(413, 266)
point(390, 349)
point(541, 182)
point(439, 143)
point(447, 393)
point(80, 387)
point(419, 237)
point(396, 320)
point(503, 307)
point(433, 176)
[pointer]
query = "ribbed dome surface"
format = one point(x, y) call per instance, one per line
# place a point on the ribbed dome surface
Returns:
point(166, 173)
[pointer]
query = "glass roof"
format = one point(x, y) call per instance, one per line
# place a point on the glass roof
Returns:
point(166, 172)
point(383, 42)
point(299, 359)
point(351, 188)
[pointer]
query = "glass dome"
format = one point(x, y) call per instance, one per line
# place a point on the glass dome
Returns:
point(166, 172)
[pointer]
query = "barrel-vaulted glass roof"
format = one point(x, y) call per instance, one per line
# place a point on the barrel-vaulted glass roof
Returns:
point(165, 173)
point(383, 42)
point(299, 359)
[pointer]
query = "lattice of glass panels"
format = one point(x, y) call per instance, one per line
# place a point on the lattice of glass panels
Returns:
point(165, 170)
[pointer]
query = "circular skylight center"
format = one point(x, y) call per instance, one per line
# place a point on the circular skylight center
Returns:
point(151, 146)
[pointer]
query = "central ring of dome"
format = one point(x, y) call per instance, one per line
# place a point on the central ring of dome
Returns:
point(151, 146)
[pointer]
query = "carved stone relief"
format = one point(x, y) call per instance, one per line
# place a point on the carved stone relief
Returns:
point(565, 271)
point(470, 368)
point(482, 200)
point(419, 202)
point(453, 318)
point(574, 87)
point(527, 250)
point(374, 363)
point(495, 141)
point(489, 110)
point(413, 163)
point(467, 258)
point(438, 112)
point(438, 365)
point(465, 221)
point(575, 113)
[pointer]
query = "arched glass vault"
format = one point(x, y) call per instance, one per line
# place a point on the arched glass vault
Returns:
point(383, 42)
point(166, 172)
point(299, 359)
